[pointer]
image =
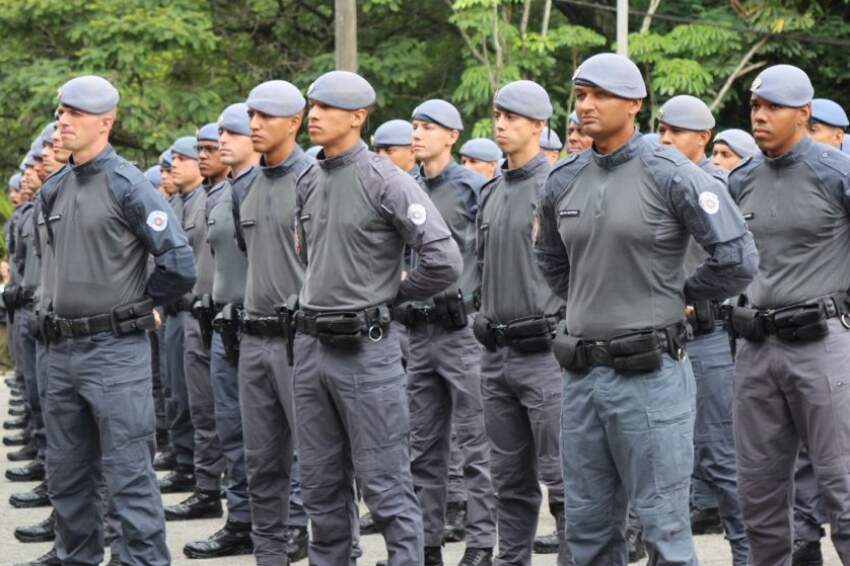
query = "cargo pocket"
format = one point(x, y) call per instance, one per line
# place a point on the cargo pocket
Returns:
point(671, 446)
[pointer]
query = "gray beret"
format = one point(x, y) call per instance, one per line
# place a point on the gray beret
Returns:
point(739, 141)
point(208, 132)
point(829, 113)
point(165, 158)
point(393, 133)
point(574, 118)
point(89, 93)
point(235, 119)
point(276, 98)
point(342, 89)
point(154, 175)
point(313, 151)
point(686, 112)
point(549, 140)
point(526, 98)
point(186, 146)
point(440, 112)
point(29, 161)
point(482, 149)
point(47, 133)
point(785, 85)
point(15, 182)
point(614, 73)
point(652, 137)
point(36, 148)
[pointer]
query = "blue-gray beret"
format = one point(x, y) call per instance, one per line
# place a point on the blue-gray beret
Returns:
point(613, 73)
point(686, 112)
point(739, 141)
point(235, 119)
point(313, 151)
point(574, 119)
point(439, 112)
point(90, 93)
point(393, 133)
point(785, 85)
point(186, 146)
point(36, 148)
point(154, 175)
point(342, 89)
point(208, 132)
point(276, 98)
point(829, 112)
point(482, 149)
point(47, 133)
point(29, 161)
point(165, 158)
point(549, 140)
point(15, 182)
point(652, 137)
point(526, 98)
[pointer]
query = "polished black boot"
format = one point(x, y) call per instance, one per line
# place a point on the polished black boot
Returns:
point(454, 530)
point(182, 479)
point(164, 461)
point(706, 522)
point(27, 452)
point(634, 544)
point(477, 557)
point(199, 505)
point(37, 497)
point(806, 553)
point(19, 423)
point(234, 539)
point(17, 438)
point(49, 559)
point(367, 525)
point(40, 532)
point(31, 471)
point(297, 541)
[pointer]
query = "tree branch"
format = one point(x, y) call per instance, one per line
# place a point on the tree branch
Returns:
point(647, 18)
point(743, 65)
point(547, 12)
point(526, 12)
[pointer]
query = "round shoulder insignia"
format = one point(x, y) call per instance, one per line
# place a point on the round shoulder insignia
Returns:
point(709, 202)
point(416, 213)
point(157, 220)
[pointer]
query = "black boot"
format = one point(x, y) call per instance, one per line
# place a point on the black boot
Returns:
point(367, 525)
point(806, 553)
point(706, 522)
point(433, 556)
point(454, 530)
point(114, 559)
point(49, 559)
point(40, 532)
point(182, 479)
point(31, 471)
point(37, 497)
point(199, 505)
point(477, 557)
point(17, 411)
point(16, 424)
point(16, 402)
point(18, 438)
point(27, 452)
point(634, 544)
point(164, 461)
point(234, 539)
point(297, 541)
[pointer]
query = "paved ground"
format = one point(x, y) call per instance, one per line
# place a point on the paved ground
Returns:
point(712, 550)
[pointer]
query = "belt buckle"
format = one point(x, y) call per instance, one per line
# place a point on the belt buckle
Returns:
point(65, 327)
point(598, 354)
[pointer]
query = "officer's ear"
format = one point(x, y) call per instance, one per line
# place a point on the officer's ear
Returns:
point(108, 120)
point(359, 117)
point(537, 126)
point(804, 115)
point(705, 137)
point(635, 104)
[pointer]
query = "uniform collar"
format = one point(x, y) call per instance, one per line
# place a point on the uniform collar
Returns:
point(530, 169)
point(792, 156)
point(94, 165)
point(282, 169)
point(188, 196)
point(621, 155)
point(441, 177)
point(343, 158)
point(211, 190)
point(244, 172)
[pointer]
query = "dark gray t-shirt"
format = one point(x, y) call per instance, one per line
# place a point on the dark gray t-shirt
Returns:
point(195, 226)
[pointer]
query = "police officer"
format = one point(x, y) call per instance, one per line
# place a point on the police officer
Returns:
point(99, 401)
point(520, 379)
point(576, 140)
point(235, 151)
point(828, 122)
point(444, 381)
point(731, 147)
point(394, 140)
point(481, 155)
point(629, 393)
point(790, 389)
point(205, 501)
point(685, 124)
point(551, 145)
point(349, 380)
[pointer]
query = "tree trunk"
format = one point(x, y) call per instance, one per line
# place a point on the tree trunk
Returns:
point(547, 12)
point(345, 29)
point(742, 68)
point(647, 18)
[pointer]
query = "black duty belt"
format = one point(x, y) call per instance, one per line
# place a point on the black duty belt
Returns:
point(803, 322)
point(264, 326)
point(706, 314)
point(530, 334)
point(344, 329)
point(183, 305)
point(122, 320)
point(450, 311)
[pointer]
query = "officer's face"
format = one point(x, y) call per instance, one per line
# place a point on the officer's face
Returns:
point(514, 132)
point(80, 130)
point(576, 140)
point(402, 156)
point(829, 135)
point(602, 114)
point(15, 197)
point(234, 149)
point(60, 152)
point(269, 132)
point(30, 183)
point(166, 180)
point(552, 155)
point(431, 140)
point(39, 168)
point(724, 157)
point(327, 125)
point(48, 159)
point(777, 128)
point(184, 171)
point(485, 168)
point(209, 160)
point(690, 143)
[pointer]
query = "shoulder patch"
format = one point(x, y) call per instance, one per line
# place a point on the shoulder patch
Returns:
point(157, 220)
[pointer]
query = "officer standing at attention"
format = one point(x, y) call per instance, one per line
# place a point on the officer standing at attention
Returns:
point(790, 388)
point(355, 213)
point(576, 140)
point(394, 140)
point(230, 264)
point(731, 147)
point(551, 145)
point(685, 124)
point(481, 155)
point(629, 392)
point(443, 371)
point(520, 379)
point(274, 275)
point(99, 400)
point(828, 122)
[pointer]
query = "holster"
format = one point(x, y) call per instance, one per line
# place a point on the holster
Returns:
point(703, 319)
point(747, 323)
point(226, 323)
point(568, 351)
point(483, 332)
point(286, 314)
point(455, 311)
point(12, 297)
point(203, 310)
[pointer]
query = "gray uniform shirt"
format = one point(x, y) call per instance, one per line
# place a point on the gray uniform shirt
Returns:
point(455, 191)
point(614, 231)
point(44, 290)
point(23, 249)
point(195, 226)
point(512, 285)
point(10, 235)
point(267, 216)
point(696, 255)
point(356, 211)
point(31, 261)
point(797, 207)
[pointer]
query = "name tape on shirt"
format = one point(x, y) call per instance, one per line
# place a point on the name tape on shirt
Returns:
point(157, 220)
point(417, 214)
point(709, 202)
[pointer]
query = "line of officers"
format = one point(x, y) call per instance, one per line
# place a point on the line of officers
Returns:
point(406, 324)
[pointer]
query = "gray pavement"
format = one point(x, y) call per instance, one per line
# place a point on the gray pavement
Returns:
point(713, 550)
